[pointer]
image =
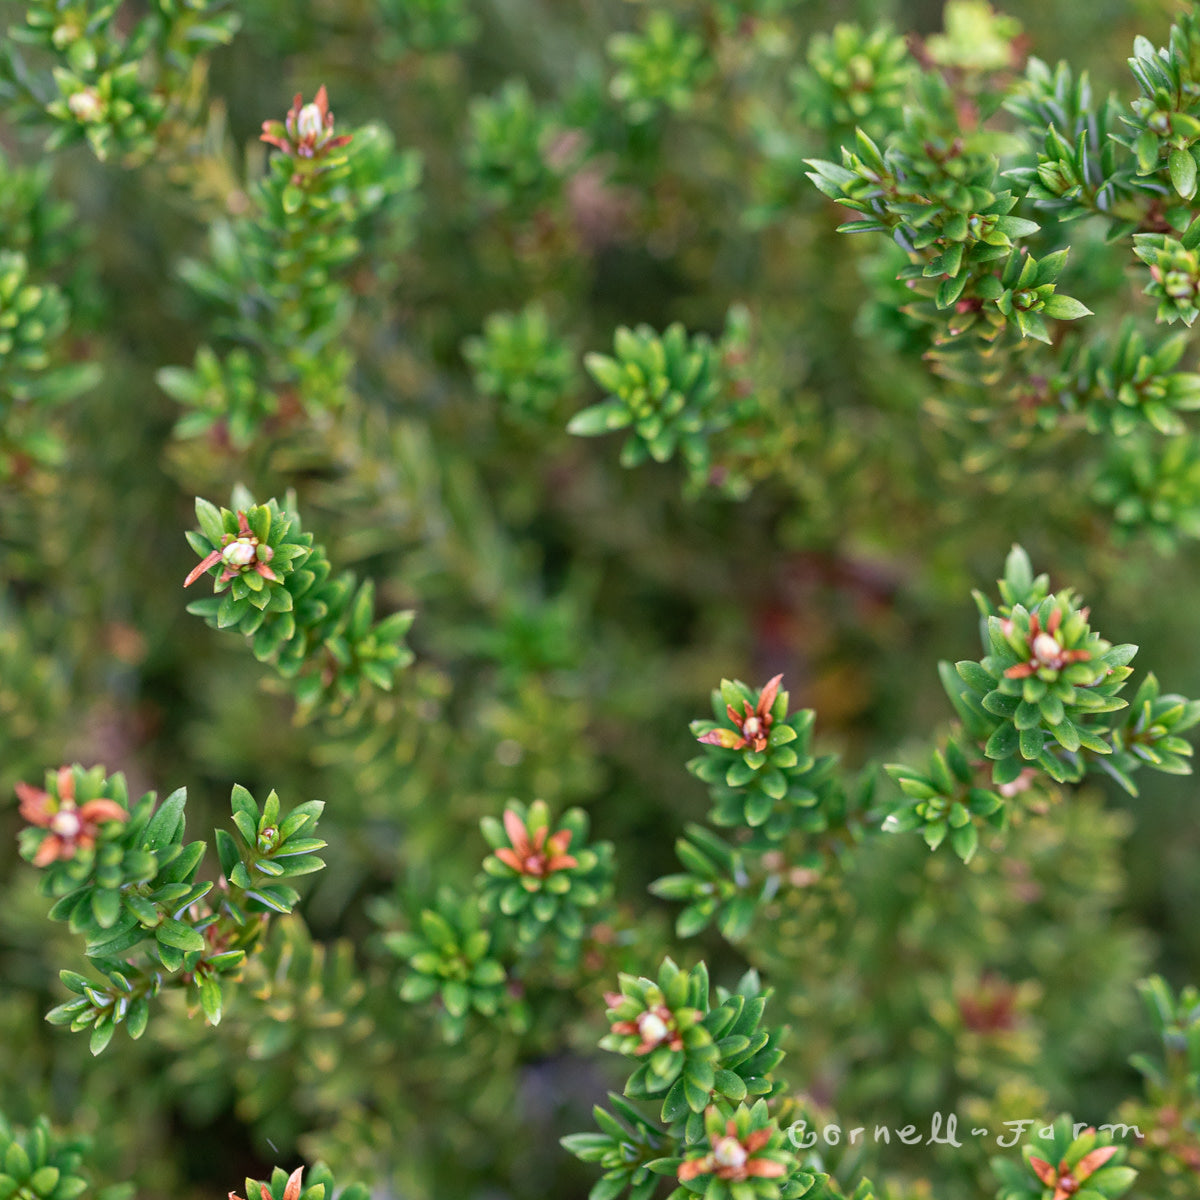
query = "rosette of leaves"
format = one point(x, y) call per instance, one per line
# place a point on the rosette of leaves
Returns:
point(274, 585)
point(854, 78)
point(541, 881)
point(661, 388)
point(265, 849)
point(115, 80)
point(759, 764)
point(1058, 1165)
point(1080, 168)
point(319, 1186)
point(744, 1154)
point(451, 961)
point(660, 1025)
point(40, 1164)
point(522, 362)
point(1025, 293)
point(946, 799)
point(509, 150)
point(252, 551)
point(954, 219)
point(658, 68)
point(1152, 489)
point(1049, 681)
point(687, 1051)
point(1164, 121)
point(33, 319)
point(427, 26)
point(1150, 735)
point(116, 879)
point(1127, 384)
point(715, 885)
point(139, 907)
point(1174, 264)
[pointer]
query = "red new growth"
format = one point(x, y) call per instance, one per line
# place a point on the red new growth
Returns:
point(71, 827)
point(537, 856)
point(240, 553)
point(307, 130)
point(732, 1158)
point(1045, 650)
point(1066, 1181)
point(754, 725)
point(291, 1192)
point(656, 1026)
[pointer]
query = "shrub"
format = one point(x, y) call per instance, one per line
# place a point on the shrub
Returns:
point(379, 355)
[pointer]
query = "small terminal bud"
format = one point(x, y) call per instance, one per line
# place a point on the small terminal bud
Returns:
point(86, 105)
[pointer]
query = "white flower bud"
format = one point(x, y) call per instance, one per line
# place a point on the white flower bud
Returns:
point(86, 105)
point(239, 553)
point(310, 123)
point(652, 1027)
point(729, 1152)
point(66, 823)
point(1046, 648)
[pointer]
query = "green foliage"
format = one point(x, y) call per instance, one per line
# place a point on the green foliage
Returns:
point(758, 762)
point(626, 1148)
point(1051, 680)
point(1172, 1103)
point(277, 276)
point(319, 1186)
point(1166, 118)
point(421, 26)
point(945, 798)
point(33, 321)
point(854, 78)
point(689, 1051)
point(667, 390)
point(276, 587)
point(1045, 691)
point(124, 879)
point(715, 886)
point(957, 227)
point(378, 323)
point(521, 361)
point(1127, 385)
point(114, 83)
point(703, 1061)
point(509, 155)
point(658, 68)
point(1153, 491)
point(746, 1148)
point(957, 190)
point(1174, 267)
point(42, 1164)
point(449, 960)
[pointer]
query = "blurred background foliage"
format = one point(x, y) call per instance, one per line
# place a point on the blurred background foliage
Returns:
point(572, 616)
